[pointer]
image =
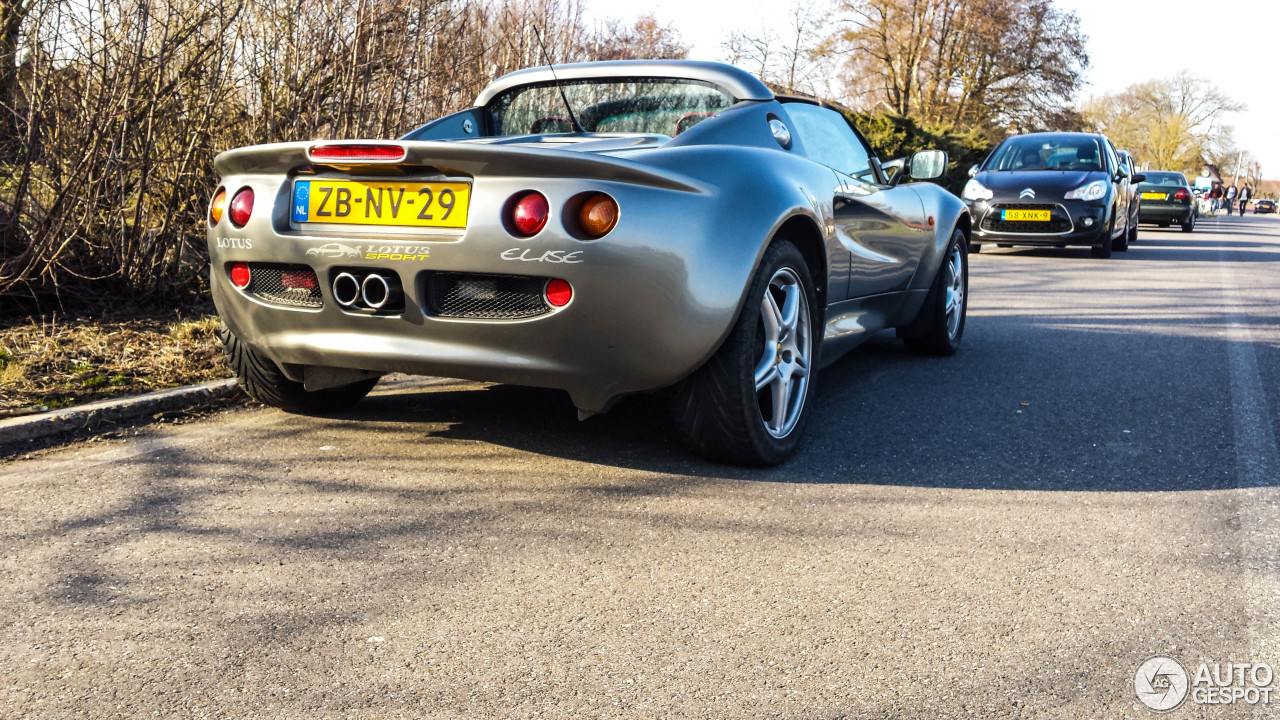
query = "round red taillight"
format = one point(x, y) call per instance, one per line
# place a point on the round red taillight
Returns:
point(242, 207)
point(598, 215)
point(239, 273)
point(559, 293)
point(529, 214)
point(217, 207)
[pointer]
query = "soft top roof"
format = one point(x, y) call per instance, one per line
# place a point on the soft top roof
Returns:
point(739, 83)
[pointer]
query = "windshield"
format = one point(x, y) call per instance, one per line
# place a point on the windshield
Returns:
point(659, 107)
point(1165, 178)
point(1053, 153)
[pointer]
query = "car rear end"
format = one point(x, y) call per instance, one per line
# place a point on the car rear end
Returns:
point(535, 267)
point(1165, 198)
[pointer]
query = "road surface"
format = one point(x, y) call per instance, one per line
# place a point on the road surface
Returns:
point(1011, 532)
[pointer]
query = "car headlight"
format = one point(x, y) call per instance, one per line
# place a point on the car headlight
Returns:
point(1095, 190)
point(974, 190)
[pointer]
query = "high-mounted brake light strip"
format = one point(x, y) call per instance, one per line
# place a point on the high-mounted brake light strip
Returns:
point(353, 152)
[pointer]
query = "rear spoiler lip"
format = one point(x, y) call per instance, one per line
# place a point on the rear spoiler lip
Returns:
point(476, 160)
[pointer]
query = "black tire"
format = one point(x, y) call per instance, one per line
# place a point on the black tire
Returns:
point(1133, 232)
point(1163, 224)
point(933, 332)
point(1189, 225)
point(975, 248)
point(1121, 244)
point(1003, 245)
point(261, 378)
point(1101, 252)
point(718, 410)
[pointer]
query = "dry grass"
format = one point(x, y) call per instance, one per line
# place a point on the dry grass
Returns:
point(54, 363)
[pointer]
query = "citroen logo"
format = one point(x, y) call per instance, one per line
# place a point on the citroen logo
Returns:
point(1028, 193)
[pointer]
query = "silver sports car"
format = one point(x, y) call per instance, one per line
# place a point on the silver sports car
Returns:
point(604, 228)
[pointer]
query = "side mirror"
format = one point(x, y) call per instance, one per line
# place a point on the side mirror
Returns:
point(973, 171)
point(1122, 172)
point(1139, 178)
point(927, 165)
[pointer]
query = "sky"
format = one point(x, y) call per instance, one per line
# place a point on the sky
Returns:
point(1234, 44)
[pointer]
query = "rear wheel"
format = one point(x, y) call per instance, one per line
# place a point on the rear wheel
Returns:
point(939, 327)
point(975, 248)
point(1004, 245)
point(748, 404)
point(1189, 224)
point(1133, 232)
point(262, 379)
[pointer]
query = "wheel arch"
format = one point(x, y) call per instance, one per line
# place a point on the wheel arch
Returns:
point(805, 234)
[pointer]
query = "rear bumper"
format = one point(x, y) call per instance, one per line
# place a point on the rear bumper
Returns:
point(1165, 213)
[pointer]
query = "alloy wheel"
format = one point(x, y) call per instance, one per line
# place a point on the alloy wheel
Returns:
point(955, 291)
point(782, 371)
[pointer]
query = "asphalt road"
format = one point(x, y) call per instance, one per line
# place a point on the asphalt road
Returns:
point(1007, 533)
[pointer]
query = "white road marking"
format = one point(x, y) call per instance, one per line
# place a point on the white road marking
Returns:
point(1257, 470)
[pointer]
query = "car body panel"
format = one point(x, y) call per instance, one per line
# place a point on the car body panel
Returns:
point(652, 300)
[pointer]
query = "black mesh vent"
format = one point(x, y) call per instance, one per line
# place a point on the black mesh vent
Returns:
point(289, 285)
point(485, 297)
point(1059, 221)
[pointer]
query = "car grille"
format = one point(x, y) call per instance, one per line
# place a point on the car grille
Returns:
point(287, 285)
point(1059, 221)
point(485, 297)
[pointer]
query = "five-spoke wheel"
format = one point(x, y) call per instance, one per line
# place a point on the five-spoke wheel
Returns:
point(782, 371)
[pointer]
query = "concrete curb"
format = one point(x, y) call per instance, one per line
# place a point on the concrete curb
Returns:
point(91, 415)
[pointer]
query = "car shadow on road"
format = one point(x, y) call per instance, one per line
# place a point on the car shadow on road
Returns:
point(996, 416)
point(1171, 245)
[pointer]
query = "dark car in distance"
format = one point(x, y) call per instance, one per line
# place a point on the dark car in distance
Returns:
point(1054, 190)
point(1167, 198)
point(1263, 206)
point(1131, 166)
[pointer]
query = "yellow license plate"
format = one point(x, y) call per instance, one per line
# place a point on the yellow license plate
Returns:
point(1023, 215)
point(370, 202)
point(1154, 196)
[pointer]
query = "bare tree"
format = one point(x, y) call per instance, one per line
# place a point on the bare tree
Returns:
point(964, 63)
point(112, 111)
point(1173, 123)
point(646, 39)
point(795, 59)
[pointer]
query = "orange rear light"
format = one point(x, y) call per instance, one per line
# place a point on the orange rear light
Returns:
point(598, 215)
point(217, 207)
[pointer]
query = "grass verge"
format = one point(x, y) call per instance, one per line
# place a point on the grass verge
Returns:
point(51, 363)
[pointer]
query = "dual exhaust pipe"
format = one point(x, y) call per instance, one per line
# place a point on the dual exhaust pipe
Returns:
point(374, 291)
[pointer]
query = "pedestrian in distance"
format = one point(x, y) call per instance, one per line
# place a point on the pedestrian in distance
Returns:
point(1243, 197)
point(1215, 199)
point(1229, 198)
